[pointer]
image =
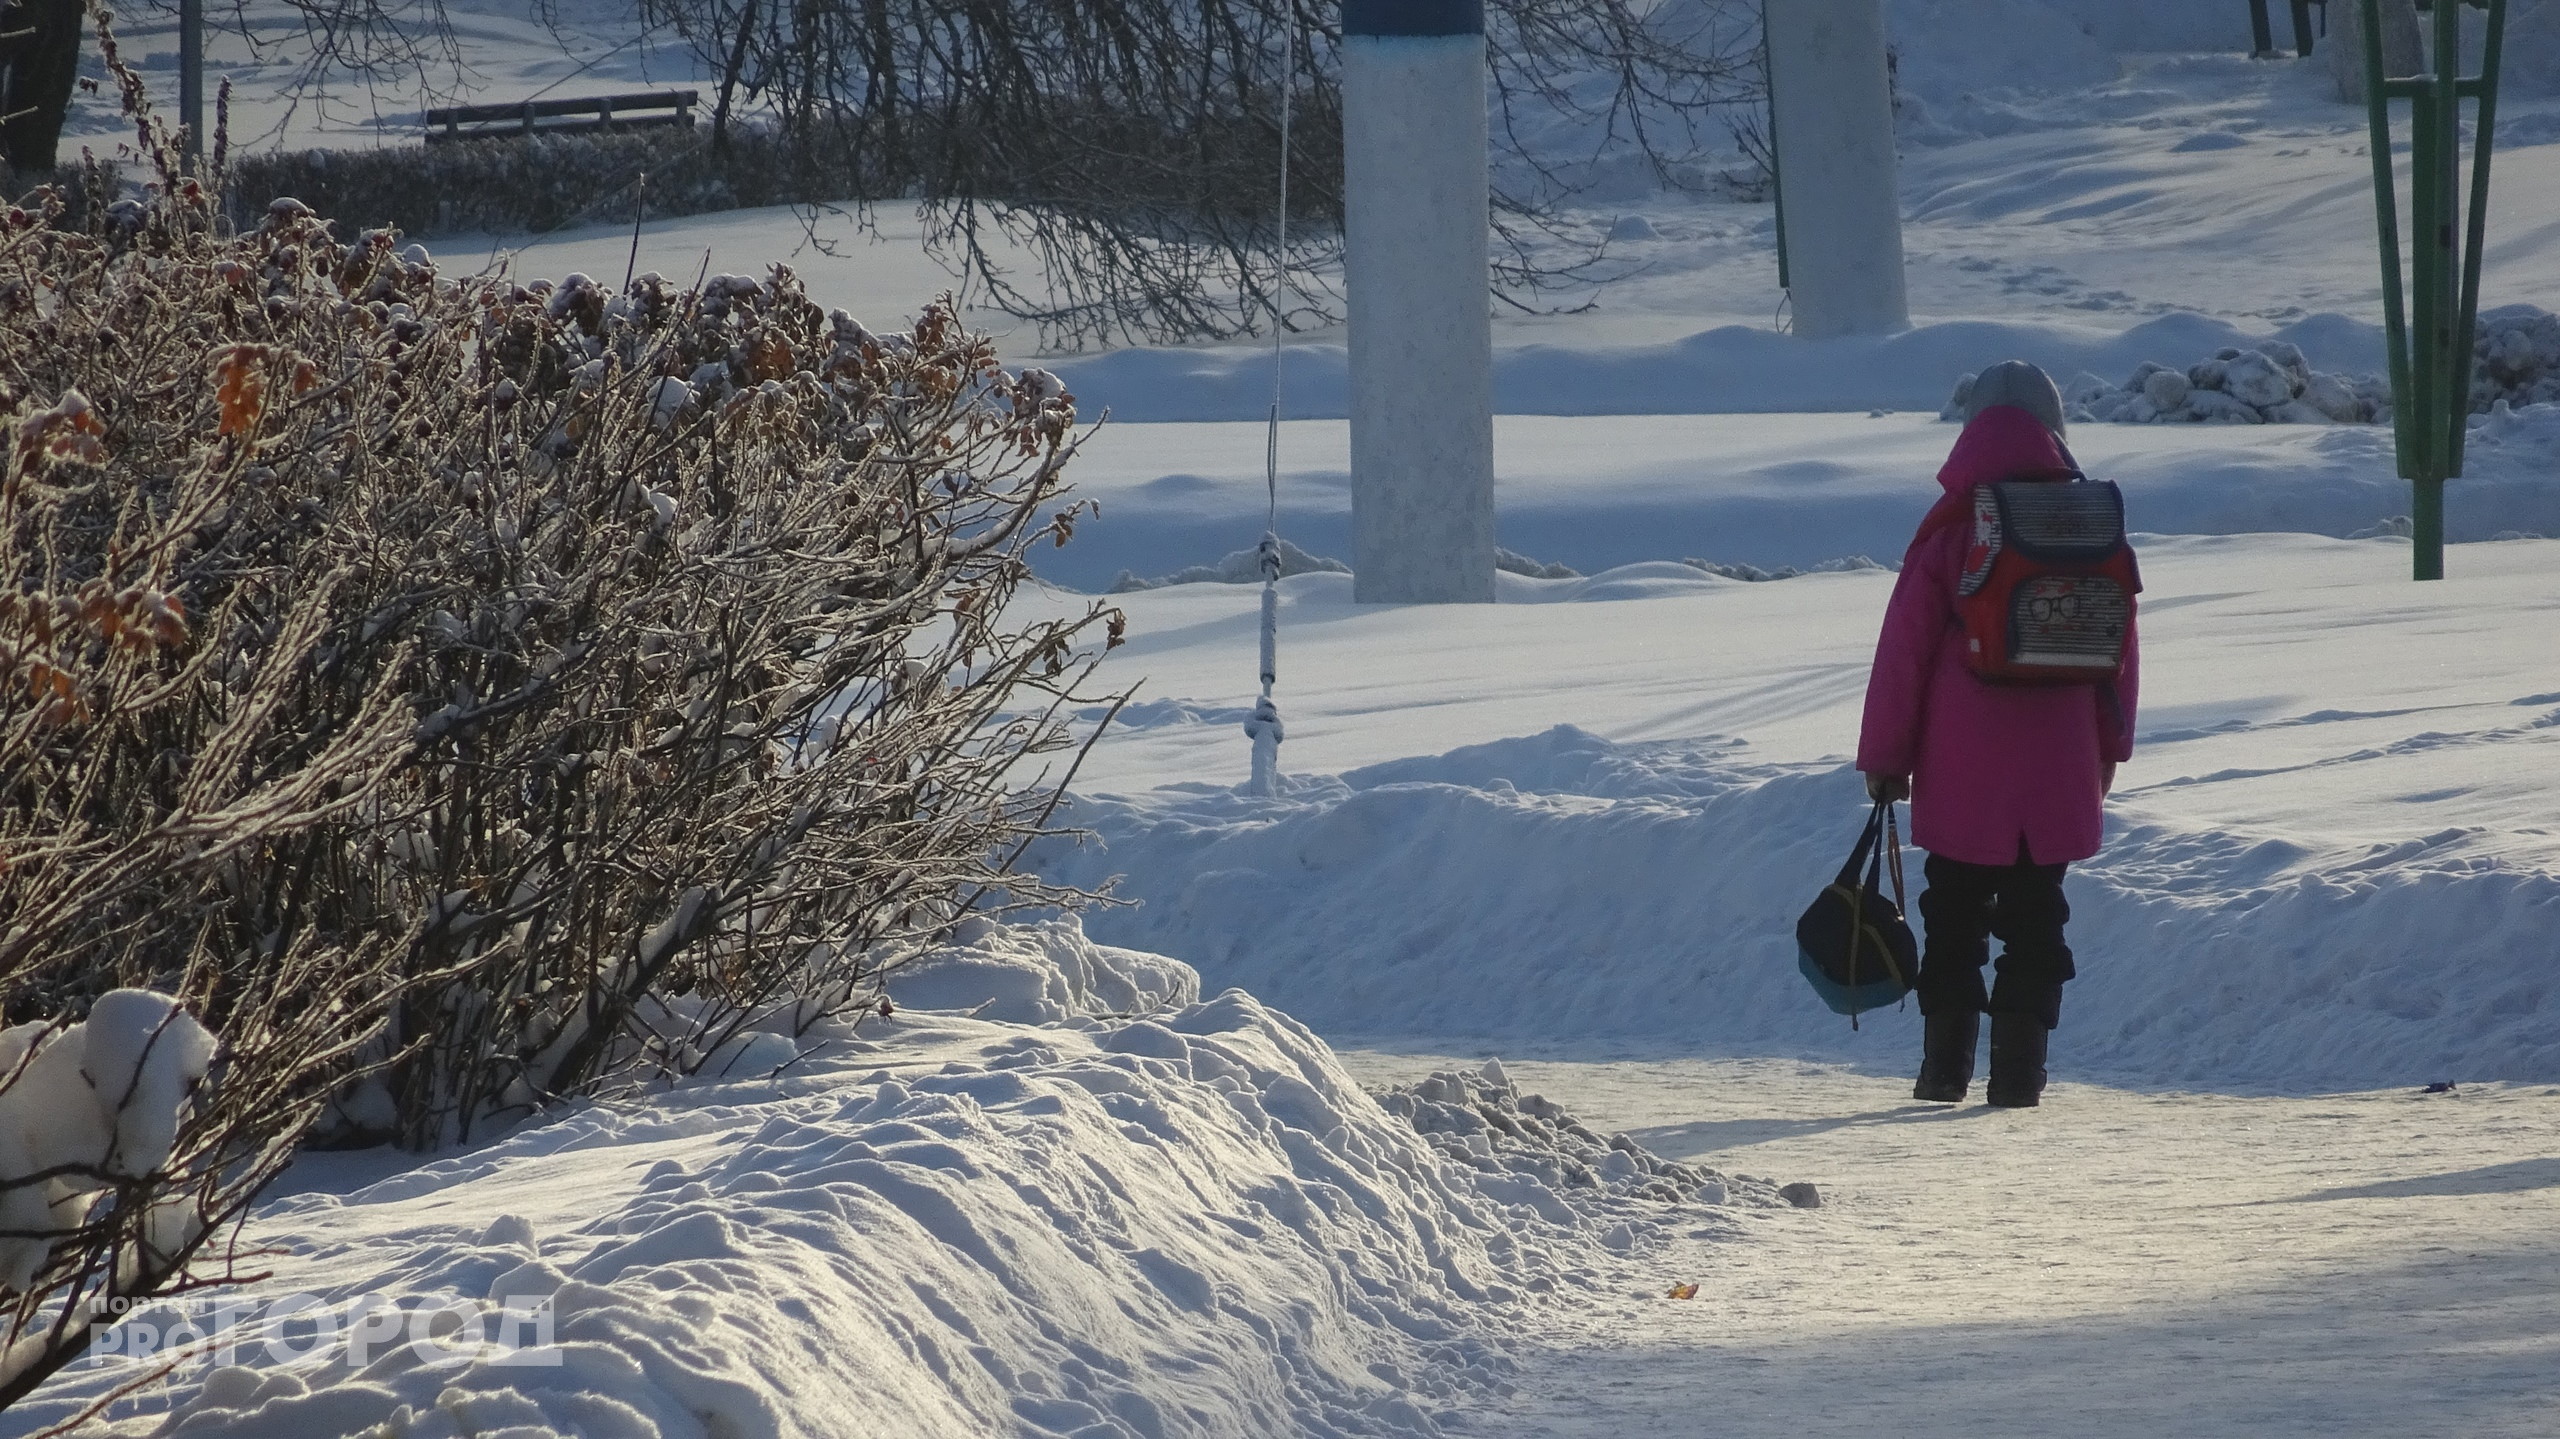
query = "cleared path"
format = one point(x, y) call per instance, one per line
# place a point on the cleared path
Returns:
point(2117, 1263)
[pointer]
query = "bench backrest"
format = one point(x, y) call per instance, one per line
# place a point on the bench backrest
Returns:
point(574, 115)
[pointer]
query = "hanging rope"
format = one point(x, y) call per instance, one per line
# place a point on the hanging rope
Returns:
point(1265, 727)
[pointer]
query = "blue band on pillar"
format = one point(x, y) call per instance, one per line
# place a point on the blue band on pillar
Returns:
point(1412, 17)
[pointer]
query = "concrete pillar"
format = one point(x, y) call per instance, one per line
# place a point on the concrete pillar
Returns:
point(1417, 272)
point(1832, 108)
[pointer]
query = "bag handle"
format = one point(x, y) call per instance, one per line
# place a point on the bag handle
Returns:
point(1893, 846)
point(1867, 838)
point(1885, 825)
point(1882, 833)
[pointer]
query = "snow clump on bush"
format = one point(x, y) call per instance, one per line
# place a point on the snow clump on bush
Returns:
point(83, 1107)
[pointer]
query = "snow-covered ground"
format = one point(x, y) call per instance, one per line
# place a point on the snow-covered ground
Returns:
point(1771, 490)
point(2333, 859)
point(1573, 829)
point(2125, 1264)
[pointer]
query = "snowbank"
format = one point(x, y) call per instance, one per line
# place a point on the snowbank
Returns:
point(1236, 567)
point(1731, 369)
point(1560, 886)
point(1191, 1223)
point(1045, 973)
point(2515, 357)
point(1774, 491)
point(2516, 362)
point(2274, 385)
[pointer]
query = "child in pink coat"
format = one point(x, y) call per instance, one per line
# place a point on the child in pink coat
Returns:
point(2006, 782)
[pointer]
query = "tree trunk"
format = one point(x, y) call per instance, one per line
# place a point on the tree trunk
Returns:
point(36, 78)
point(729, 78)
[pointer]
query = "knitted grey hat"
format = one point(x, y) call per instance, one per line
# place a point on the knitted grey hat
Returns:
point(2015, 382)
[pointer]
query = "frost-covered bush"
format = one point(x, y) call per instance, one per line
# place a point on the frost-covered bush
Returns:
point(170, 731)
point(2272, 384)
point(583, 681)
point(458, 694)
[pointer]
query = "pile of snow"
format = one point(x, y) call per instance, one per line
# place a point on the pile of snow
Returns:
point(2516, 361)
point(1237, 567)
point(1480, 1119)
point(2515, 358)
point(1753, 574)
point(1191, 1223)
point(86, 1104)
point(1044, 973)
point(2269, 385)
point(1512, 562)
point(1561, 886)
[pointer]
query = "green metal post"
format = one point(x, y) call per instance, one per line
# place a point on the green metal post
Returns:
point(2447, 99)
point(2430, 331)
point(2423, 218)
point(2492, 55)
point(2386, 209)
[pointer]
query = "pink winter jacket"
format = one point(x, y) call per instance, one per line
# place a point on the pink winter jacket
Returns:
point(1992, 766)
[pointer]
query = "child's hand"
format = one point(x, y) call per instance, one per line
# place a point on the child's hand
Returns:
point(1886, 788)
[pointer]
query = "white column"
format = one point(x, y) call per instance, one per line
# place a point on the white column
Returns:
point(1417, 271)
point(1832, 107)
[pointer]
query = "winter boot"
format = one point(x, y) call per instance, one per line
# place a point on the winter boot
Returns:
point(2017, 1061)
point(1946, 1055)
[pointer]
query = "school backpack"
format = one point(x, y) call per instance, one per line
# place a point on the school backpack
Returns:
point(2046, 594)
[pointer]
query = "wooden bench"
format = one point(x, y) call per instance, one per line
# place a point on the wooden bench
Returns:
point(582, 116)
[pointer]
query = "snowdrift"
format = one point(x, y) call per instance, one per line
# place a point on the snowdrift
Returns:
point(1561, 887)
point(1732, 369)
point(1772, 490)
point(1194, 1223)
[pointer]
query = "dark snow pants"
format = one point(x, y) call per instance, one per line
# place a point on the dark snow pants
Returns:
point(1964, 906)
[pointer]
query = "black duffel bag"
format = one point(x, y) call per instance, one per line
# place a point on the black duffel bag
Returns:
point(1853, 944)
